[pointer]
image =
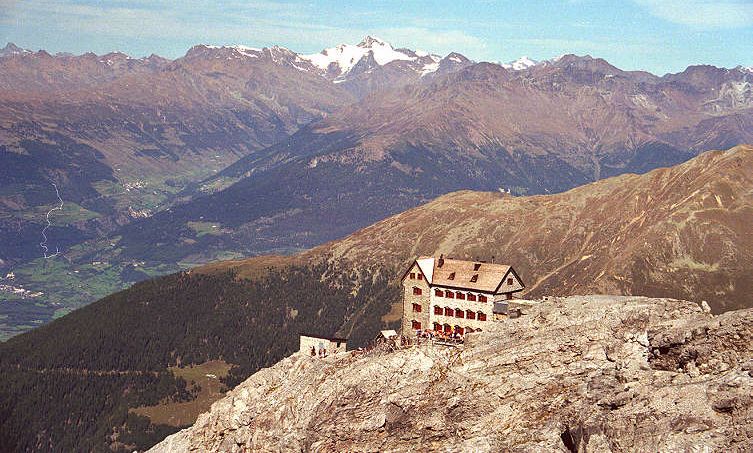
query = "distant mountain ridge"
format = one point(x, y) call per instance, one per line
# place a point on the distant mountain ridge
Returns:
point(544, 129)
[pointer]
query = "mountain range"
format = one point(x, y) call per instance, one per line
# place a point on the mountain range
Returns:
point(679, 232)
point(546, 129)
point(232, 151)
point(123, 138)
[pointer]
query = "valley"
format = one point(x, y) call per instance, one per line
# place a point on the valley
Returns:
point(679, 232)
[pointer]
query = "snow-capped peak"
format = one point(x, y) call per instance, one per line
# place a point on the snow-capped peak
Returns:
point(341, 59)
point(520, 64)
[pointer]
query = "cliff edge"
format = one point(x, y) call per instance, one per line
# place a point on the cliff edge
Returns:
point(601, 373)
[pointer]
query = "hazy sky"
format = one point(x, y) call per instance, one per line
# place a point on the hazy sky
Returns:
point(655, 35)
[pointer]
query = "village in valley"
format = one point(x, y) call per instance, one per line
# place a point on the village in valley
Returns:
point(443, 299)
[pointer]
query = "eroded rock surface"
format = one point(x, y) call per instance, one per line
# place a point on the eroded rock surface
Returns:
point(586, 373)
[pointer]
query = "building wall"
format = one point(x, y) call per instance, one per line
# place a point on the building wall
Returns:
point(475, 306)
point(409, 299)
point(516, 285)
point(332, 347)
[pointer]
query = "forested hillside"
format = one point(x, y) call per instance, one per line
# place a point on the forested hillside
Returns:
point(115, 352)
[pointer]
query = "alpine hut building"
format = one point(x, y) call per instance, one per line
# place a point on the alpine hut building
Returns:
point(451, 295)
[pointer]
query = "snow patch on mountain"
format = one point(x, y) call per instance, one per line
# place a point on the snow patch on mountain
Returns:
point(346, 56)
point(341, 60)
point(429, 68)
point(520, 64)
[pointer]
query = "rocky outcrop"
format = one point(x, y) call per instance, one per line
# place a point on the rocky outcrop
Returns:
point(586, 373)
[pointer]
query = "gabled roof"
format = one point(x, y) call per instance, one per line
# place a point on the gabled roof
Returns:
point(461, 274)
point(427, 267)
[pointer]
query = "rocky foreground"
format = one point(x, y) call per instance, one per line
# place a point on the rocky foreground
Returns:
point(596, 373)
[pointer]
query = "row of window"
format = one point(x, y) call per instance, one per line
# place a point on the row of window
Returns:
point(455, 312)
point(414, 276)
point(446, 328)
point(457, 295)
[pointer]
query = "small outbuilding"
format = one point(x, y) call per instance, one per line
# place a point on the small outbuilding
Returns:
point(388, 334)
point(321, 346)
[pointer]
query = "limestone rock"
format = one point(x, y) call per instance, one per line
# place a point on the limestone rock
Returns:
point(596, 373)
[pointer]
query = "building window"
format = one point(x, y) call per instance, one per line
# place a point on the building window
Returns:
point(437, 310)
point(451, 277)
point(470, 314)
point(416, 291)
point(438, 293)
point(459, 313)
point(509, 281)
point(420, 276)
point(415, 325)
point(448, 311)
point(437, 326)
point(460, 295)
point(417, 308)
point(412, 275)
point(476, 266)
point(447, 328)
point(472, 297)
point(459, 330)
point(509, 296)
point(449, 295)
point(474, 279)
point(481, 298)
point(481, 316)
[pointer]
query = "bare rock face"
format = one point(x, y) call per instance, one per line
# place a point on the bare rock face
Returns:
point(585, 373)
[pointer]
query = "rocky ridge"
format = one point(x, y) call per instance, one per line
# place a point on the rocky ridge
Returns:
point(599, 373)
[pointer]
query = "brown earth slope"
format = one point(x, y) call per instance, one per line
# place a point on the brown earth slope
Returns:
point(683, 232)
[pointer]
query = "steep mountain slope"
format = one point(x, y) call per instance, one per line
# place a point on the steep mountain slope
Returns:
point(587, 373)
point(545, 129)
point(681, 232)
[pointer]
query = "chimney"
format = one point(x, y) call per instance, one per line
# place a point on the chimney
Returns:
point(440, 262)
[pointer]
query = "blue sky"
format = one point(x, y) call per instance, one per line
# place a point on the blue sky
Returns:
point(655, 35)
